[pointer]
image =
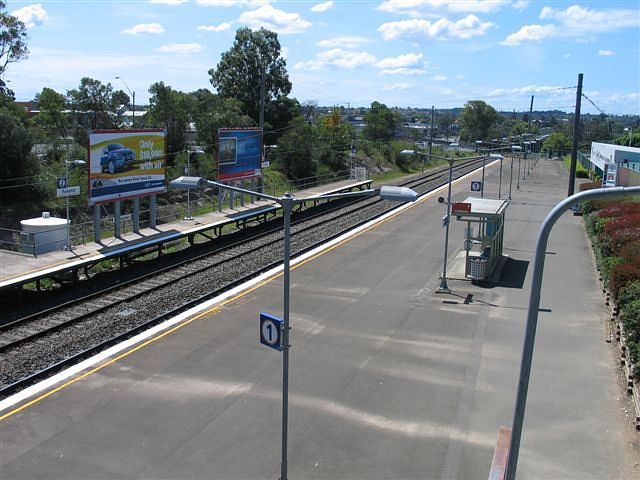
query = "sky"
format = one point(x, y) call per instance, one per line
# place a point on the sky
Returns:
point(403, 53)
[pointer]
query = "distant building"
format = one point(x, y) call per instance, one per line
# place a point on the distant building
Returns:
point(616, 164)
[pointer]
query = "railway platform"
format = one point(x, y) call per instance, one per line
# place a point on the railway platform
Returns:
point(17, 269)
point(388, 378)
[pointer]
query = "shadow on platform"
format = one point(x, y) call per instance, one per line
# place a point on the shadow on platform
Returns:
point(510, 274)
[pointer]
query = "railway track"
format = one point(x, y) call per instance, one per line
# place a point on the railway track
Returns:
point(37, 345)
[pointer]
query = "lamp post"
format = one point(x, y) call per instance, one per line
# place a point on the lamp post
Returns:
point(443, 287)
point(497, 156)
point(133, 106)
point(534, 308)
point(515, 148)
point(187, 171)
point(69, 246)
point(287, 202)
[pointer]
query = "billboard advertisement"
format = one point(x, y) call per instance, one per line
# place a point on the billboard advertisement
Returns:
point(239, 153)
point(125, 164)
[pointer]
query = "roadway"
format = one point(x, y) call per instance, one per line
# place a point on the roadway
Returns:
point(388, 379)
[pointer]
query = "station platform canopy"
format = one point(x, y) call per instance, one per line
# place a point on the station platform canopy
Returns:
point(483, 235)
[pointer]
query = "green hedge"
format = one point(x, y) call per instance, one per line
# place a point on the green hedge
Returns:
point(614, 232)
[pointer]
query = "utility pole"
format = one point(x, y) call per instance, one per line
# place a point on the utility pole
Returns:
point(430, 134)
point(576, 131)
point(530, 113)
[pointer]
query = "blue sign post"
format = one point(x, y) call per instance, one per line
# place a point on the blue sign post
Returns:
point(271, 331)
point(476, 186)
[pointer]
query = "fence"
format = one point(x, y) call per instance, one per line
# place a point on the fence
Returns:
point(81, 232)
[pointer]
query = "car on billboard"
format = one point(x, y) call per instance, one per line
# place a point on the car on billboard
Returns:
point(116, 157)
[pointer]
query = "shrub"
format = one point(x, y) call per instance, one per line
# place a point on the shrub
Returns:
point(600, 223)
point(631, 253)
point(631, 322)
point(619, 209)
point(619, 239)
point(629, 293)
point(621, 275)
point(628, 220)
point(606, 266)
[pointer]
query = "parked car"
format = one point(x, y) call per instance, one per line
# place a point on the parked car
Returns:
point(115, 157)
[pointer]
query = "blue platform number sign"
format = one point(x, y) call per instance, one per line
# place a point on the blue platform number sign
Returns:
point(476, 186)
point(271, 331)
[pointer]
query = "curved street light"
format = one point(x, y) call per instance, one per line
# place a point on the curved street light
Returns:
point(133, 106)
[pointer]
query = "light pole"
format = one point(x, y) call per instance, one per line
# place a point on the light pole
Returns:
point(443, 287)
point(534, 308)
point(69, 246)
point(497, 156)
point(515, 148)
point(133, 106)
point(287, 202)
point(187, 171)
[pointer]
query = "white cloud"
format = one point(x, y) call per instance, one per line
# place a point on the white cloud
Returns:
point(337, 58)
point(567, 55)
point(520, 5)
point(530, 33)
point(584, 20)
point(343, 42)
point(439, 78)
point(606, 53)
point(459, 76)
point(31, 15)
point(180, 48)
point(322, 7)
point(153, 28)
point(232, 3)
point(417, 29)
point(406, 60)
point(276, 20)
point(575, 21)
point(397, 86)
point(168, 2)
point(215, 28)
point(420, 8)
point(530, 89)
point(403, 71)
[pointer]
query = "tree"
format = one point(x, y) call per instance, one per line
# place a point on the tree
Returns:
point(169, 109)
point(444, 121)
point(294, 156)
point(280, 113)
point(557, 142)
point(380, 123)
point(13, 44)
point(210, 113)
point(93, 108)
point(476, 120)
point(241, 68)
point(16, 161)
point(52, 105)
point(335, 141)
point(52, 119)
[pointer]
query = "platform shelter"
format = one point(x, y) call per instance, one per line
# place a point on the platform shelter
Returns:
point(483, 234)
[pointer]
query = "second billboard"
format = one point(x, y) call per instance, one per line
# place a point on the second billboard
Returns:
point(239, 153)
